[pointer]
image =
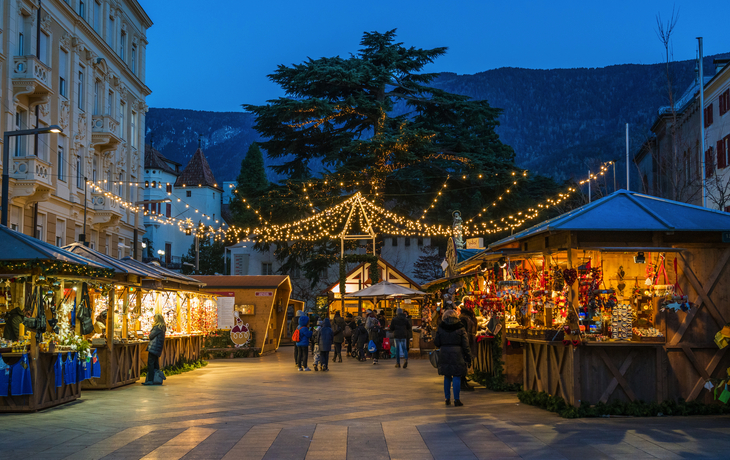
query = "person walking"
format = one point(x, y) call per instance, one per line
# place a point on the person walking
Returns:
point(338, 329)
point(469, 320)
point(349, 322)
point(376, 335)
point(360, 339)
point(294, 326)
point(303, 343)
point(154, 349)
point(370, 319)
point(399, 327)
point(326, 339)
point(454, 354)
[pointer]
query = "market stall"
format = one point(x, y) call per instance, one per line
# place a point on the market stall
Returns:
point(259, 309)
point(189, 312)
point(118, 345)
point(47, 319)
point(618, 300)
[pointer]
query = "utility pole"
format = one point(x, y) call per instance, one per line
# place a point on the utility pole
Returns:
point(702, 127)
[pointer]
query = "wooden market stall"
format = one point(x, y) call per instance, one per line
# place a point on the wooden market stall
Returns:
point(47, 286)
point(618, 300)
point(119, 348)
point(260, 305)
point(189, 312)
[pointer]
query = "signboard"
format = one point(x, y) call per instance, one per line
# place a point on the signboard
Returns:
point(264, 294)
point(475, 243)
point(726, 237)
point(226, 300)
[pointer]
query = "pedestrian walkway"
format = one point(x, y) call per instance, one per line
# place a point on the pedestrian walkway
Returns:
point(265, 409)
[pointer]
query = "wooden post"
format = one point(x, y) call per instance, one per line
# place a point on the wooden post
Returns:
point(189, 325)
point(178, 313)
point(125, 311)
point(110, 320)
point(138, 310)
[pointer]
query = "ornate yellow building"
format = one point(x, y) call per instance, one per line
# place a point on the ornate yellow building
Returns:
point(79, 64)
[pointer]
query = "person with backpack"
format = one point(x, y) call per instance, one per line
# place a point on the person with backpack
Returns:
point(376, 336)
point(350, 326)
point(301, 337)
point(325, 340)
point(338, 329)
point(454, 354)
point(154, 349)
point(400, 327)
point(294, 326)
point(360, 339)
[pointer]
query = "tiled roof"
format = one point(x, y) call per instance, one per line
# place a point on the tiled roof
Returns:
point(197, 172)
point(241, 281)
point(153, 159)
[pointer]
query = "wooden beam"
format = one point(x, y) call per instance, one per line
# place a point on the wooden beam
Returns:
point(618, 375)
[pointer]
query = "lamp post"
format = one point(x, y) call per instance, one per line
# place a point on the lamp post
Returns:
point(6, 161)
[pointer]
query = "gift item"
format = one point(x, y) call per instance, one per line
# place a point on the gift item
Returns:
point(621, 321)
point(95, 366)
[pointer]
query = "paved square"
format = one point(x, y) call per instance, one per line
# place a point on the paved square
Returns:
point(265, 409)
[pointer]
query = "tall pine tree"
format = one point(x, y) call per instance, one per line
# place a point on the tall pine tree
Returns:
point(250, 185)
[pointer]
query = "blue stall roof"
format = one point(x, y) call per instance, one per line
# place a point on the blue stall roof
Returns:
point(118, 265)
point(19, 247)
point(630, 211)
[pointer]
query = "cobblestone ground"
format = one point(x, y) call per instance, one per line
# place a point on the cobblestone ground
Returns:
point(265, 409)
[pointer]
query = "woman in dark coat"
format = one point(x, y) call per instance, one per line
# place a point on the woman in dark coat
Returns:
point(454, 354)
point(360, 339)
point(338, 327)
point(326, 338)
point(154, 349)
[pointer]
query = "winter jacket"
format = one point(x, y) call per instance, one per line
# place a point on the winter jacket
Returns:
point(326, 336)
point(13, 320)
point(400, 326)
point(371, 319)
point(360, 336)
point(454, 353)
point(377, 334)
point(304, 332)
point(338, 327)
point(157, 341)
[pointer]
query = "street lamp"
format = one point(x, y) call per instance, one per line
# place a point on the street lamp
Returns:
point(6, 161)
point(161, 253)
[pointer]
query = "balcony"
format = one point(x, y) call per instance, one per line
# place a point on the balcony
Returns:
point(104, 133)
point(31, 78)
point(107, 212)
point(32, 180)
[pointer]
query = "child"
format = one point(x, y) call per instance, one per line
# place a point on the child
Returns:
point(376, 335)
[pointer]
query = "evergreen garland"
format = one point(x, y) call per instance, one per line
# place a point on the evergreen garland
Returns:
point(373, 271)
point(495, 380)
point(51, 267)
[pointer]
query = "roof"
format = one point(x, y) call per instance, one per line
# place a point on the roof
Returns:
point(158, 272)
point(197, 172)
point(387, 264)
point(242, 281)
point(116, 264)
point(466, 254)
point(19, 247)
point(630, 211)
point(153, 159)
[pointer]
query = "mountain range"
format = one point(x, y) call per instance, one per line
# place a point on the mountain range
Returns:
point(560, 122)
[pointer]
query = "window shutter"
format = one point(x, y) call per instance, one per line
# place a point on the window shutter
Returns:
point(709, 113)
point(168, 210)
point(721, 154)
point(169, 188)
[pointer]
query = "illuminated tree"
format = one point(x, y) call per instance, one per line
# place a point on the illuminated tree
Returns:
point(250, 185)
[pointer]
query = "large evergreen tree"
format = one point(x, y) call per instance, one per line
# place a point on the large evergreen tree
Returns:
point(210, 260)
point(250, 185)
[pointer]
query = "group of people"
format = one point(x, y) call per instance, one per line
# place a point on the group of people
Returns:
point(363, 336)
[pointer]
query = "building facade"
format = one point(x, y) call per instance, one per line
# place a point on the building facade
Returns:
point(79, 64)
point(175, 201)
point(717, 137)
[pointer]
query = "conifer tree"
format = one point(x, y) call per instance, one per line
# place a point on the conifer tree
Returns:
point(250, 185)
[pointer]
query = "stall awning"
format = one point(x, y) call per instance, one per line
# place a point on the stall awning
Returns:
point(118, 265)
point(17, 247)
point(242, 281)
point(159, 272)
point(630, 211)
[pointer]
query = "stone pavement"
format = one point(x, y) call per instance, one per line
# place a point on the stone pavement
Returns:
point(265, 409)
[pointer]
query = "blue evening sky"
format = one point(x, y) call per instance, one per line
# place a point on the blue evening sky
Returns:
point(215, 55)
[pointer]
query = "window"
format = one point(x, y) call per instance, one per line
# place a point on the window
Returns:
point(79, 172)
point(120, 184)
point(709, 163)
point(81, 90)
point(420, 241)
point(97, 109)
point(724, 102)
point(110, 103)
point(122, 44)
point(110, 31)
point(62, 73)
point(93, 171)
point(169, 188)
point(120, 248)
point(39, 235)
point(60, 232)
point(188, 194)
point(61, 164)
point(122, 119)
point(21, 142)
point(133, 129)
point(394, 241)
point(21, 44)
point(108, 180)
point(43, 48)
point(146, 184)
point(82, 8)
point(134, 59)
point(723, 152)
point(154, 184)
point(97, 16)
point(408, 241)
point(168, 210)
point(267, 268)
point(708, 116)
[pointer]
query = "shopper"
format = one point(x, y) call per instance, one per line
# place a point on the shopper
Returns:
point(469, 320)
point(294, 326)
point(154, 349)
point(399, 328)
point(381, 319)
point(351, 324)
point(326, 339)
point(454, 354)
point(303, 344)
point(314, 345)
point(338, 329)
point(360, 339)
point(376, 335)
point(370, 319)
point(13, 320)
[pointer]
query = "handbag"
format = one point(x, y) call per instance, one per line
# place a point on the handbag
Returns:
point(434, 358)
point(386, 344)
point(372, 348)
point(159, 377)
